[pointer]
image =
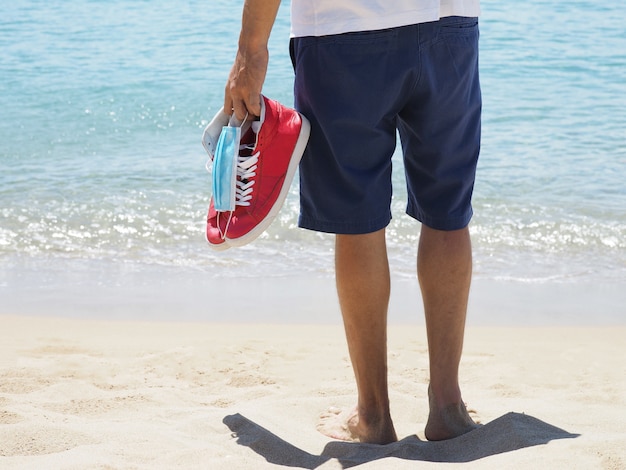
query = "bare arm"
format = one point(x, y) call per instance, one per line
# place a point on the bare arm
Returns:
point(243, 88)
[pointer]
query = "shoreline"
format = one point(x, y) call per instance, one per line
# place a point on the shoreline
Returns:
point(189, 295)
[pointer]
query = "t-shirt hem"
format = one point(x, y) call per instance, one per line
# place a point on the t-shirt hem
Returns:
point(405, 18)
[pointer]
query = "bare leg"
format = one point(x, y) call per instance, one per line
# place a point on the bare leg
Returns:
point(363, 287)
point(444, 267)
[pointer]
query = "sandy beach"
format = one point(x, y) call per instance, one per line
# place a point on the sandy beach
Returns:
point(96, 394)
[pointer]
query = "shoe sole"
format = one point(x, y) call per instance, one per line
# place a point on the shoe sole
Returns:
point(217, 246)
point(296, 156)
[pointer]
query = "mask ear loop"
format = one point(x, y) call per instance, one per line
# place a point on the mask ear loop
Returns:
point(230, 213)
point(230, 216)
point(233, 120)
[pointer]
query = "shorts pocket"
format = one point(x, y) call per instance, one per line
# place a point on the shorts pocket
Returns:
point(458, 26)
point(458, 30)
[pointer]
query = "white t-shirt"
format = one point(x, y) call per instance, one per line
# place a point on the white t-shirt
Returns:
point(323, 17)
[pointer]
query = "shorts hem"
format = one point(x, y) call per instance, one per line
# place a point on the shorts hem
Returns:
point(344, 228)
point(447, 224)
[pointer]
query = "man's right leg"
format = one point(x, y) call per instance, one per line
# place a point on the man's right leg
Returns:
point(444, 268)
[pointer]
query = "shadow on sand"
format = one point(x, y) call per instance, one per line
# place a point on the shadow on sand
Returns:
point(510, 432)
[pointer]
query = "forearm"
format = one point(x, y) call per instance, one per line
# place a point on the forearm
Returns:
point(243, 89)
point(256, 23)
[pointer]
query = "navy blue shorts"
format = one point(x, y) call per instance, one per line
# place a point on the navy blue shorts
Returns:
point(356, 89)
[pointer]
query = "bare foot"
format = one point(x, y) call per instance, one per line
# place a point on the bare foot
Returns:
point(345, 425)
point(448, 422)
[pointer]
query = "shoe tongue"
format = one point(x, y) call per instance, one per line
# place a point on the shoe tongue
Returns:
point(256, 125)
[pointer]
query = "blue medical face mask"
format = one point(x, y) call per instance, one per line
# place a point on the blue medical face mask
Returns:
point(225, 168)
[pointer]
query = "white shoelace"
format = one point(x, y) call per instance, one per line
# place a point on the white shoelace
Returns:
point(246, 171)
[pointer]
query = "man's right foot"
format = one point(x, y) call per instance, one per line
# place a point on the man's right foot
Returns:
point(447, 422)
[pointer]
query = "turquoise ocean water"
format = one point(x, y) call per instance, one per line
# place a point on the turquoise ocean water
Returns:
point(102, 173)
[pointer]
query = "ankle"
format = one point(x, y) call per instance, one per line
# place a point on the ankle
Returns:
point(374, 426)
point(373, 414)
point(443, 395)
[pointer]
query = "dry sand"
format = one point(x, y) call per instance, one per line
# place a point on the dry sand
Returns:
point(87, 394)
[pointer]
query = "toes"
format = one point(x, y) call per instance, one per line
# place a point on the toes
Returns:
point(330, 413)
point(335, 423)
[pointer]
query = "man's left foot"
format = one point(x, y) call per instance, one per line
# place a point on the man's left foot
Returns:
point(345, 425)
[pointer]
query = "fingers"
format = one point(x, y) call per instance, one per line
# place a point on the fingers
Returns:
point(253, 104)
point(243, 88)
point(241, 107)
point(240, 96)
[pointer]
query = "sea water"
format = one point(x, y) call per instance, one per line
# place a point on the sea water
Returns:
point(102, 172)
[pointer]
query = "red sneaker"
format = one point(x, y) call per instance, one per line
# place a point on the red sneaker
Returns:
point(270, 152)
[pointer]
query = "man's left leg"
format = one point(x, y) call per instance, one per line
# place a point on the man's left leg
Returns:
point(363, 286)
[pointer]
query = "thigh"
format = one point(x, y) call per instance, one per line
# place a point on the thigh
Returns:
point(343, 87)
point(440, 126)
